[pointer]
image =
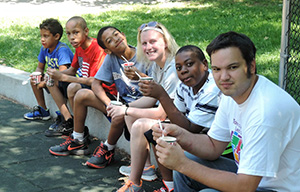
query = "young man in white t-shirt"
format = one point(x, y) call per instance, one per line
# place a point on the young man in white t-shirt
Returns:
point(260, 119)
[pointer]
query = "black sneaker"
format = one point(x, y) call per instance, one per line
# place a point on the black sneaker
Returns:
point(65, 128)
point(58, 121)
point(72, 146)
point(101, 157)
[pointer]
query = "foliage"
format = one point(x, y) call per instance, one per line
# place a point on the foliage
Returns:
point(190, 22)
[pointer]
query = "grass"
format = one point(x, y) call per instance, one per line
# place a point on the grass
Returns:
point(190, 22)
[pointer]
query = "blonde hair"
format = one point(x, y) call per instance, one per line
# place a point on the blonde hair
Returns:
point(172, 46)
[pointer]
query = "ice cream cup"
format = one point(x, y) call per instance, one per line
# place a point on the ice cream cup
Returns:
point(146, 78)
point(169, 139)
point(37, 77)
point(128, 65)
point(117, 103)
point(49, 80)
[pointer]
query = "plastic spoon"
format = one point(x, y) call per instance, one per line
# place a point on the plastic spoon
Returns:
point(162, 135)
point(124, 59)
point(137, 74)
point(26, 81)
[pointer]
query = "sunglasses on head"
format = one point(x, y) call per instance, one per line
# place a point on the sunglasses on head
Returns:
point(150, 24)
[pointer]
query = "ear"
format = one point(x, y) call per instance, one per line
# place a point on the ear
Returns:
point(86, 31)
point(107, 51)
point(57, 36)
point(253, 67)
point(205, 63)
point(123, 34)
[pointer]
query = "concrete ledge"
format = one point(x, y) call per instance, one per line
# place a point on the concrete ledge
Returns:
point(11, 86)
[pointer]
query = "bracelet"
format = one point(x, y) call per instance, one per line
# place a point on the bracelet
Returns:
point(126, 111)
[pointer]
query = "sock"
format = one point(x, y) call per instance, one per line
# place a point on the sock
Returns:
point(169, 184)
point(109, 146)
point(78, 136)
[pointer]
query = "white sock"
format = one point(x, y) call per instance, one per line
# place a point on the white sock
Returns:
point(169, 184)
point(109, 146)
point(78, 136)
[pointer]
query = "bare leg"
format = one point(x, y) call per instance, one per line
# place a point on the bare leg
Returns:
point(139, 147)
point(60, 101)
point(129, 121)
point(116, 130)
point(39, 95)
point(72, 90)
point(83, 99)
point(166, 173)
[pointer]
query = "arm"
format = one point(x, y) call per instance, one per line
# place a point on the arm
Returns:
point(99, 91)
point(152, 89)
point(218, 179)
point(201, 145)
point(143, 102)
point(172, 156)
point(63, 67)
point(40, 67)
point(68, 75)
point(152, 113)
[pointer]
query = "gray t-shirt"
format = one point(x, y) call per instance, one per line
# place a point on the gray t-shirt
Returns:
point(112, 71)
point(166, 77)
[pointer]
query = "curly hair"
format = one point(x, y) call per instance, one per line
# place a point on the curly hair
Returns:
point(53, 26)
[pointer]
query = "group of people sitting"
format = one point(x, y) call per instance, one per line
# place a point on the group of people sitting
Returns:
point(235, 130)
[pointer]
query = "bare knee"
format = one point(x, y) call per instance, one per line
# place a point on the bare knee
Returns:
point(139, 127)
point(82, 95)
point(72, 89)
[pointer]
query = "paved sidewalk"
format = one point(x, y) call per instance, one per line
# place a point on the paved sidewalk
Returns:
point(26, 164)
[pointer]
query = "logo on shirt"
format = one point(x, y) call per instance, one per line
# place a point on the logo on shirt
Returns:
point(52, 62)
point(236, 141)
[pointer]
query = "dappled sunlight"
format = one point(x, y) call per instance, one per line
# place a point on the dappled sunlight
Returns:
point(16, 150)
point(268, 64)
point(98, 188)
point(56, 170)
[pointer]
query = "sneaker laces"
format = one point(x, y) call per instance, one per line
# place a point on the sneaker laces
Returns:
point(36, 108)
point(162, 189)
point(99, 151)
point(69, 139)
point(57, 120)
point(127, 185)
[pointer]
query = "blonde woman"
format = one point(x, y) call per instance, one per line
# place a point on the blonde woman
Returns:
point(156, 48)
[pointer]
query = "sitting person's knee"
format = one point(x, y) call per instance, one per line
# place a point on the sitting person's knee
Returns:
point(82, 95)
point(72, 89)
point(139, 127)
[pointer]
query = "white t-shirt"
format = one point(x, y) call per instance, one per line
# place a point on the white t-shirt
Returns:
point(201, 107)
point(166, 77)
point(265, 135)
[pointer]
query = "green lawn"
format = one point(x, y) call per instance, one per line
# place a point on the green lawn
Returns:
point(190, 22)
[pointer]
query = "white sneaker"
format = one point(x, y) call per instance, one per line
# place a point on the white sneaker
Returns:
point(148, 173)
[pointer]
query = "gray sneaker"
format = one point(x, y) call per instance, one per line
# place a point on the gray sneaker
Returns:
point(148, 173)
point(131, 187)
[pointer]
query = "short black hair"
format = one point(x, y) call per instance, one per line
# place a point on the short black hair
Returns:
point(199, 53)
point(100, 33)
point(53, 25)
point(234, 39)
